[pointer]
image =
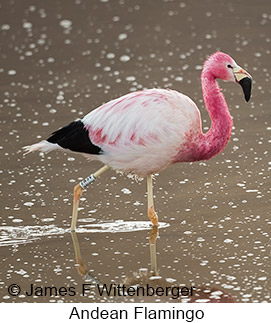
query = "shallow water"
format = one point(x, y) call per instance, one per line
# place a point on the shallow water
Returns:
point(61, 60)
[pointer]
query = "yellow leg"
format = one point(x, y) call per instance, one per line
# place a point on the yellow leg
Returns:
point(78, 190)
point(151, 213)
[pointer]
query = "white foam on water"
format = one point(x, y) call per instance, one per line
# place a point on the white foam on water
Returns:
point(10, 235)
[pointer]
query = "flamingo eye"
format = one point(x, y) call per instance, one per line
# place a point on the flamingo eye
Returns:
point(229, 66)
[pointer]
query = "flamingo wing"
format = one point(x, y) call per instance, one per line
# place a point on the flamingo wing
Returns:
point(75, 138)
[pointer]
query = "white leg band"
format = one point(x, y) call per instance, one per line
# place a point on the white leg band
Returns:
point(85, 182)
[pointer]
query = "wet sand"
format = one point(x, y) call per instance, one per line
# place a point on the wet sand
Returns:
point(59, 60)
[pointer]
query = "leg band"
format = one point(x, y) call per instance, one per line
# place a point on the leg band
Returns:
point(85, 182)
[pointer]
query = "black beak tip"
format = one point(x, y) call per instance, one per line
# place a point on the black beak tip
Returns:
point(246, 84)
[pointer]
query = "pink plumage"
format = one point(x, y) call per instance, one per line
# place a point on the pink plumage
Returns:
point(146, 131)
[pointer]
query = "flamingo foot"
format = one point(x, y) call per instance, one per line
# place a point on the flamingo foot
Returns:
point(153, 216)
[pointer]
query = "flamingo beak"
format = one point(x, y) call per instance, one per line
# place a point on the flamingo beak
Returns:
point(244, 79)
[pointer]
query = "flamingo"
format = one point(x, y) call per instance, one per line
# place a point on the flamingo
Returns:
point(144, 132)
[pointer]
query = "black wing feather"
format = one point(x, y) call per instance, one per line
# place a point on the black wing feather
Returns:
point(75, 137)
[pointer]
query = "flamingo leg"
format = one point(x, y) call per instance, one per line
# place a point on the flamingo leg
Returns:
point(78, 190)
point(151, 213)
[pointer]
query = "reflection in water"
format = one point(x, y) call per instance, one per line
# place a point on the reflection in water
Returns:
point(146, 281)
point(82, 269)
point(10, 235)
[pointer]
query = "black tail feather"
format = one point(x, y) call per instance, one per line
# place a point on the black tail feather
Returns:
point(75, 137)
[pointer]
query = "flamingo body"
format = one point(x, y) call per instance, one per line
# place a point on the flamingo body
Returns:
point(140, 132)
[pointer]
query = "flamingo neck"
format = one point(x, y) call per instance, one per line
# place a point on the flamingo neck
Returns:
point(215, 140)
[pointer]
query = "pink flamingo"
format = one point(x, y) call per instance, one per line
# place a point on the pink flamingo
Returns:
point(144, 132)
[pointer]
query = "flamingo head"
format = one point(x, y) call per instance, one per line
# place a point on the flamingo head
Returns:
point(222, 66)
